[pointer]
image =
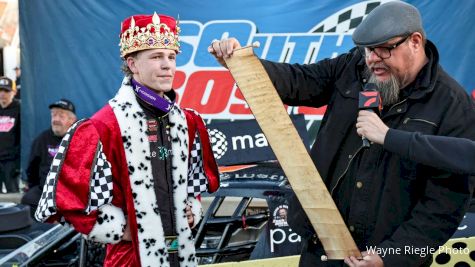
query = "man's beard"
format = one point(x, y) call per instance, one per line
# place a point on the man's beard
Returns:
point(388, 89)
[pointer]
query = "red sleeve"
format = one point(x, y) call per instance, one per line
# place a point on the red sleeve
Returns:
point(196, 123)
point(72, 190)
point(79, 186)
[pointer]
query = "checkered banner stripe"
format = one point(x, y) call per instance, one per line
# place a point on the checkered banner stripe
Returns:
point(346, 20)
point(197, 182)
point(100, 181)
point(47, 203)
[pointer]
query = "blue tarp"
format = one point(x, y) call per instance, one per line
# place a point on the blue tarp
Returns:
point(70, 48)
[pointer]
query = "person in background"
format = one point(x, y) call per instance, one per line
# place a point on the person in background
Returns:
point(387, 202)
point(132, 174)
point(444, 152)
point(18, 82)
point(9, 137)
point(44, 148)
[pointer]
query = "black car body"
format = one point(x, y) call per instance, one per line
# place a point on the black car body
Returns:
point(245, 219)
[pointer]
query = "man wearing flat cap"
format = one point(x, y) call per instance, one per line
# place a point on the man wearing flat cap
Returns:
point(9, 137)
point(131, 176)
point(388, 202)
point(44, 148)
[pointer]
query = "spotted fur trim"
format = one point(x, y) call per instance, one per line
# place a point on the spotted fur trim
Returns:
point(110, 225)
point(133, 126)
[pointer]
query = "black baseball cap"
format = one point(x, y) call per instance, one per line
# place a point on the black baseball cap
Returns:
point(6, 83)
point(64, 104)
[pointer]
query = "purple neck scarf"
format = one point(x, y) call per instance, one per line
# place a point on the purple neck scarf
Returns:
point(150, 97)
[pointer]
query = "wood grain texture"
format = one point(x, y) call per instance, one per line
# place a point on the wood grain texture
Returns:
point(291, 153)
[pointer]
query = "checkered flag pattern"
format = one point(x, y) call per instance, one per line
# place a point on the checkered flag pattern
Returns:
point(346, 20)
point(101, 181)
point(197, 181)
point(47, 203)
point(218, 141)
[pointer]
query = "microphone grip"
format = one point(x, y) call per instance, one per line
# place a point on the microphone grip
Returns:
point(366, 142)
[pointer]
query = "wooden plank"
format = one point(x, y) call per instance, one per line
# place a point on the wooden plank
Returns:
point(289, 261)
point(284, 140)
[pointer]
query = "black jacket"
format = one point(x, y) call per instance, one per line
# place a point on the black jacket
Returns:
point(159, 139)
point(387, 201)
point(42, 152)
point(444, 152)
point(10, 131)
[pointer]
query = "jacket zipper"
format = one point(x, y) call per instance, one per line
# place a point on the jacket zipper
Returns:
point(406, 120)
point(357, 151)
point(346, 170)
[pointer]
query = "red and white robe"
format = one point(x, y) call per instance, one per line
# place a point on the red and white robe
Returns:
point(103, 171)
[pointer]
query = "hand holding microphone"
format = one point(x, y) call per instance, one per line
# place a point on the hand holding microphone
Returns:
point(371, 127)
point(369, 100)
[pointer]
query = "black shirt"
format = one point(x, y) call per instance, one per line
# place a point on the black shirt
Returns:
point(43, 150)
point(158, 133)
point(10, 131)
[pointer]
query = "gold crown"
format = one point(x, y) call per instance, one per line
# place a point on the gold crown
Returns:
point(143, 32)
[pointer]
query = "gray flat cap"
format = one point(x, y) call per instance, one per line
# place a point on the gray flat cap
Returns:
point(387, 21)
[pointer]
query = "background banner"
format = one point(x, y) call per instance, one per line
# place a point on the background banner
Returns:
point(242, 141)
point(70, 49)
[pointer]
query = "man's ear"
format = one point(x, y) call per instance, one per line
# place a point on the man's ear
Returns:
point(131, 64)
point(417, 41)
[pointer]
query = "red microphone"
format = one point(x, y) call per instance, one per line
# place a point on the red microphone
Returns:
point(370, 100)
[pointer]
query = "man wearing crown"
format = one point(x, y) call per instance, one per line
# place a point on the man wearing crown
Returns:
point(131, 176)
